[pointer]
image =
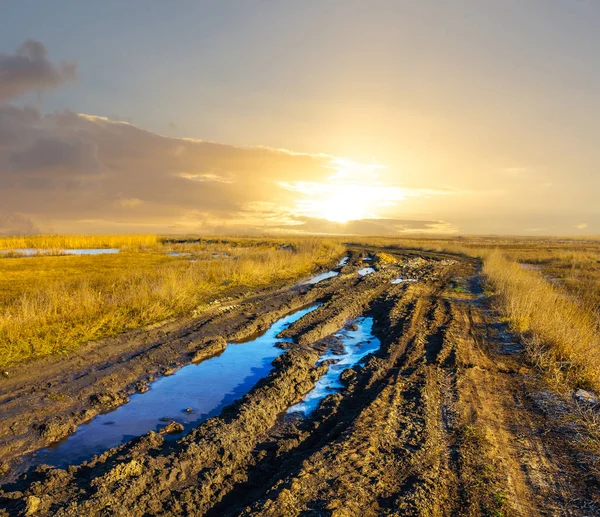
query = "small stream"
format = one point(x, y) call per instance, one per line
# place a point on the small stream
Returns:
point(357, 344)
point(191, 395)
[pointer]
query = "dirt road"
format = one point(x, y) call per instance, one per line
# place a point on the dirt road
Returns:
point(446, 419)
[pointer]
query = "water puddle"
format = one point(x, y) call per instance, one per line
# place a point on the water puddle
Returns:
point(343, 262)
point(37, 251)
point(318, 278)
point(365, 271)
point(358, 343)
point(403, 280)
point(189, 396)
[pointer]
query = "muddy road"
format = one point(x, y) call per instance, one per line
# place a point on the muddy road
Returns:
point(389, 388)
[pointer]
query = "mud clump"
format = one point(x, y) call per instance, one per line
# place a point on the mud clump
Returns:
point(107, 400)
point(208, 348)
point(142, 386)
point(172, 428)
point(586, 397)
point(54, 431)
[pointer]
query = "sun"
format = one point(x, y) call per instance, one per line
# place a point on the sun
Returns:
point(354, 192)
point(341, 207)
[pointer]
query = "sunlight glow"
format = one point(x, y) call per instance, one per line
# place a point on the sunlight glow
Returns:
point(343, 202)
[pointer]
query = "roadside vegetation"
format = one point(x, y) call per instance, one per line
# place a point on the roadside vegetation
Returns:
point(53, 304)
point(561, 331)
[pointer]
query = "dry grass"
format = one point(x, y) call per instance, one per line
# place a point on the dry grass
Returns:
point(562, 334)
point(57, 242)
point(56, 303)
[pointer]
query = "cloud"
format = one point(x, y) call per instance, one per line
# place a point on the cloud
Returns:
point(11, 224)
point(372, 227)
point(68, 171)
point(65, 168)
point(76, 172)
point(57, 154)
point(130, 202)
point(29, 69)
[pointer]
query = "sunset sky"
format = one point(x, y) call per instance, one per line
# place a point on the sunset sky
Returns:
point(319, 116)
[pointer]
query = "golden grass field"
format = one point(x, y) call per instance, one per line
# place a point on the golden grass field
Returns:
point(52, 304)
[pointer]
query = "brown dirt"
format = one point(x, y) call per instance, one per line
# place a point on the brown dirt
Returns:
point(445, 420)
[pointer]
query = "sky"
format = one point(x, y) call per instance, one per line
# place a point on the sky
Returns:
point(314, 116)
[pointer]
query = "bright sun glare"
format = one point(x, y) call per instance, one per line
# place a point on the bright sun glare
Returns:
point(352, 193)
point(340, 207)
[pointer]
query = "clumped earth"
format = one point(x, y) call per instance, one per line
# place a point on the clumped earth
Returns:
point(446, 418)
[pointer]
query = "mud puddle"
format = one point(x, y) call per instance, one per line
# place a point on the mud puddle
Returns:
point(318, 278)
point(365, 271)
point(191, 395)
point(404, 280)
point(358, 341)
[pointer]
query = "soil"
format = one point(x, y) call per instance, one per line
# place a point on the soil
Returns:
point(446, 419)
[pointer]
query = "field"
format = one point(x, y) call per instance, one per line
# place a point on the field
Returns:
point(470, 402)
point(53, 304)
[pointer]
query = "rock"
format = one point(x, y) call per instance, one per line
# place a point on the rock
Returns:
point(189, 410)
point(172, 428)
point(352, 326)
point(586, 397)
point(5, 374)
point(32, 504)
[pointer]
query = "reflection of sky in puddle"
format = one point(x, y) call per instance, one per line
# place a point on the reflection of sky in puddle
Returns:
point(402, 280)
point(318, 278)
point(366, 271)
point(35, 251)
point(206, 388)
point(357, 344)
point(343, 262)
